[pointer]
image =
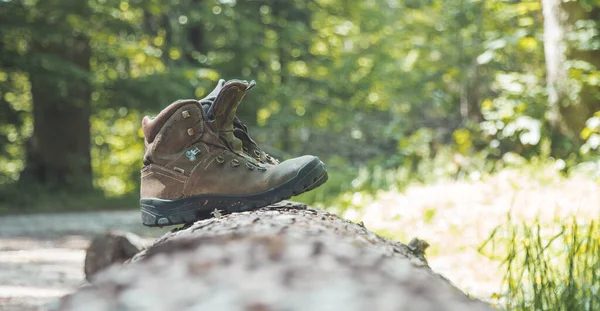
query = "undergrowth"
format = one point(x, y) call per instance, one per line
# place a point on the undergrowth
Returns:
point(548, 266)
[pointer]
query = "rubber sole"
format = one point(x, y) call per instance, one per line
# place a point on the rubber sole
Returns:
point(158, 212)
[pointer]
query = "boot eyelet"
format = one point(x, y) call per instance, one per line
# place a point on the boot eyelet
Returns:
point(191, 131)
point(185, 114)
point(257, 153)
point(235, 162)
point(262, 168)
point(250, 166)
point(220, 159)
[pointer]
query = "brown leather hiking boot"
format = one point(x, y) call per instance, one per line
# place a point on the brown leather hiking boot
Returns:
point(239, 129)
point(190, 170)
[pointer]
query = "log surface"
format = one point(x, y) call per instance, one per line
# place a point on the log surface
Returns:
point(283, 257)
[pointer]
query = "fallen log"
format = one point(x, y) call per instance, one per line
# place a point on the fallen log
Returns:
point(283, 257)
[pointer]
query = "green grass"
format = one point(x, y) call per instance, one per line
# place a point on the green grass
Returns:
point(549, 267)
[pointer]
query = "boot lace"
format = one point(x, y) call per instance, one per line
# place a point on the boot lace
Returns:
point(210, 99)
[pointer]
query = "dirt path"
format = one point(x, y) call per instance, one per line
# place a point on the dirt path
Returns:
point(41, 256)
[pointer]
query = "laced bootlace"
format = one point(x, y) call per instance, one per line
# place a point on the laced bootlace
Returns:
point(210, 99)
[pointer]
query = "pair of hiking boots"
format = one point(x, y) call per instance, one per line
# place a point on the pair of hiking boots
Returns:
point(200, 158)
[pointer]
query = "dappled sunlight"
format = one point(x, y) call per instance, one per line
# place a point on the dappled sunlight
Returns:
point(456, 218)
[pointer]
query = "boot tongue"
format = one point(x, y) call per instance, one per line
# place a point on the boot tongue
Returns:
point(227, 97)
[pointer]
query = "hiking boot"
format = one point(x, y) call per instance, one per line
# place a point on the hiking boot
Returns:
point(189, 170)
point(241, 140)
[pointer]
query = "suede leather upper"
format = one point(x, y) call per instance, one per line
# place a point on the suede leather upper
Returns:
point(186, 156)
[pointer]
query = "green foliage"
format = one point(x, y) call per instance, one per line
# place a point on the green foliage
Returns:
point(117, 151)
point(387, 92)
point(591, 134)
point(549, 267)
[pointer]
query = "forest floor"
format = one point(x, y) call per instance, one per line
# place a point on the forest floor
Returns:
point(42, 255)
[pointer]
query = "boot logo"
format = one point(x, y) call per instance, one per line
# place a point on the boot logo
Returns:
point(191, 154)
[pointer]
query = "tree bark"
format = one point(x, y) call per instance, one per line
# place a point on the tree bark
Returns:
point(283, 257)
point(58, 153)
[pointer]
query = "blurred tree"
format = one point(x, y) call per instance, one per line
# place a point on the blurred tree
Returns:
point(76, 59)
point(58, 153)
point(572, 49)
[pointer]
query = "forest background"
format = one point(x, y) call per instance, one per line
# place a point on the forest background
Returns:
point(390, 94)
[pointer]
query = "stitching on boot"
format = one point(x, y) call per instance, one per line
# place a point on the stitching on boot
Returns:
point(147, 170)
point(156, 169)
point(201, 124)
point(157, 140)
point(155, 179)
point(206, 148)
point(210, 155)
point(171, 177)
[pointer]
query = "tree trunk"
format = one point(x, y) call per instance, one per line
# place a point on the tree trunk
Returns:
point(555, 53)
point(59, 150)
point(568, 112)
point(283, 257)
